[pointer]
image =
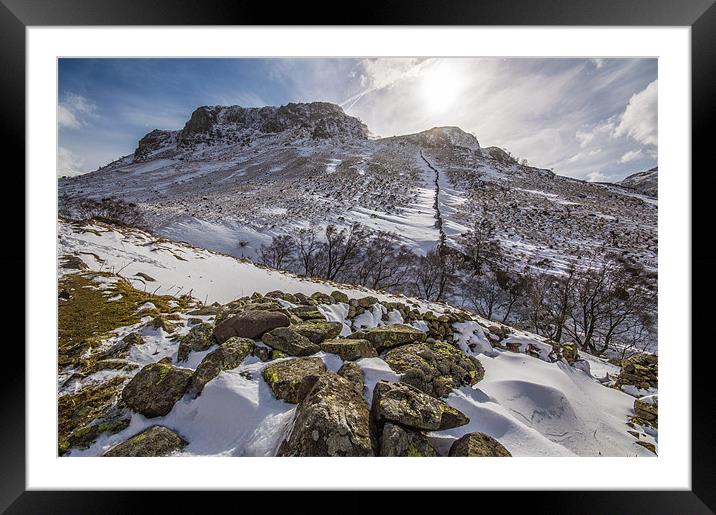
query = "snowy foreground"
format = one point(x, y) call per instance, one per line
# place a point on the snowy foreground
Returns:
point(533, 405)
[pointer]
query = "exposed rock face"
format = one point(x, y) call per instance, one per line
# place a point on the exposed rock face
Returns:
point(153, 441)
point(478, 444)
point(640, 370)
point(397, 441)
point(155, 389)
point(289, 341)
point(349, 349)
point(354, 375)
point(332, 420)
point(402, 404)
point(230, 355)
point(153, 142)
point(318, 330)
point(647, 409)
point(435, 367)
point(285, 377)
point(388, 336)
point(249, 324)
point(198, 339)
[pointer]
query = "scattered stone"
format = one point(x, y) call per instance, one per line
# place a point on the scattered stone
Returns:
point(332, 420)
point(435, 367)
point(478, 444)
point(69, 262)
point(353, 373)
point(569, 352)
point(307, 313)
point(640, 370)
point(647, 409)
point(397, 441)
point(285, 377)
point(389, 336)
point(249, 324)
point(160, 322)
point(120, 349)
point(146, 277)
point(230, 355)
point(199, 338)
point(647, 445)
point(367, 302)
point(290, 342)
point(409, 407)
point(349, 349)
point(155, 389)
point(318, 330)
point(153, 441)
point(322, 298)
point(339, 296)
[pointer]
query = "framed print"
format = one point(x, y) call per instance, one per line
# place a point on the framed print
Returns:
point(264, 256)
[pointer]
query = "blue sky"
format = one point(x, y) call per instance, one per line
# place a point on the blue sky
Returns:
point(593, 119)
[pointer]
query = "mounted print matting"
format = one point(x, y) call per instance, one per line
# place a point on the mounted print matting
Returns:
point(290, 257)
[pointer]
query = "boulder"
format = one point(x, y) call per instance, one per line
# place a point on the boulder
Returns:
point(640, 370)
point(155, 389)
point(285, 377)
point(249, 324)
point(307, 313)
point(478, 444)
point(388, 336)
point(647, 409)
point(402, 404)
point(229, 355)
point(332, 420)
point(353, 373)
point(199, 338)
point(349, 349)
point(318, 330)
point(435, 367)
point(153, 441)
point(339, 296)
point(289, 341)
point(396, 441)
point(569, 352)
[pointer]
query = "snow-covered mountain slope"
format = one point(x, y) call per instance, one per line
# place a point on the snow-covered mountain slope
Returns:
point(646, 183)
point(535, 399)
point(234, 177)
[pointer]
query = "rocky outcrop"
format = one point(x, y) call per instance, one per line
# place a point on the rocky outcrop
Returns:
point(285, 377)
point(434, 367)
point(153, 441)
point(389, 336)
point(155, 389)
point(228, 356)
point(409, 407)
point(198, 339)
point(332, 420)
point(647, 409)
point(478, 444)
point(290, 342)
point(353, 373)
point(249, 324)
point(349, 349)
point(396, 441)
point(640, 370)
point(318, 330)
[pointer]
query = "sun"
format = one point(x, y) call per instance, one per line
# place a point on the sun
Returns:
point(439, 88)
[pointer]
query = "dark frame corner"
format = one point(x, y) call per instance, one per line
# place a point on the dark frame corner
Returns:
point(700, 15)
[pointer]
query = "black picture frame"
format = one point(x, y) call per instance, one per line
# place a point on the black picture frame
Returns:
point(700, 15)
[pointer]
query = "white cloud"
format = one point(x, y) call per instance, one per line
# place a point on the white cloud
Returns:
point(631, 156)
point(597, 177)
point(74, 111)
point(639, 120)
point(584, 138)
point(68, 163)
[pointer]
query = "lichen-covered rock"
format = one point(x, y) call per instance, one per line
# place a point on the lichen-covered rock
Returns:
point(322, 298)
point(478, 444)
point(349, 349)
point(640, 370)
point(153, 441)
point(647, 409)
point(249, 324)
point(387, 337)
point(228, 356)
point(434, 367)
point(647, 445)
point(339, 296)
point(353, 373)
point(318, 330)
point(199, 338)
point(396, 441)
point(155, 389)
point(569, 352)
point(290, 342)
point(402, 404)
point(307, 313)
point(332, 420)
point(285, 377)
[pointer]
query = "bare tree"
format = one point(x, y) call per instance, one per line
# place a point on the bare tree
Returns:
point(307, 249)
point(279, 252)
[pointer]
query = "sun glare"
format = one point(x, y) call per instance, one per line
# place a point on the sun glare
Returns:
point(439, 88)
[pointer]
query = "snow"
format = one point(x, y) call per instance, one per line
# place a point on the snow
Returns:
point(470, 337)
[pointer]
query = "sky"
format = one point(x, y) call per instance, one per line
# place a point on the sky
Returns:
point(593, 119)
